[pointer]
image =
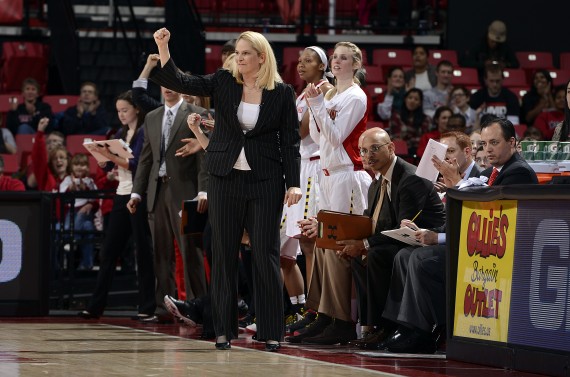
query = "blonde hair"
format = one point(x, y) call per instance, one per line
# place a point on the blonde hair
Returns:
point(230, 62)
point(356, 58)
point(267, 75)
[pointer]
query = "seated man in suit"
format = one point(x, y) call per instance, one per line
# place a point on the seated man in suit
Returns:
point(459, 154)
point(417, 291)
point(398, 193)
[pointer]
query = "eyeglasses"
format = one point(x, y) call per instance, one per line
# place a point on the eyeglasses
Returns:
point(373, 149)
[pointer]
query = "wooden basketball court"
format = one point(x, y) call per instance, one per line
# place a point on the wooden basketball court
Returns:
point(119, 346)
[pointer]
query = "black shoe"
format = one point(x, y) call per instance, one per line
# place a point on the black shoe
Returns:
point(314, 329)
point(308, 317)
point(338, 332)
point(246, 321)
point(87, 315)
point(372, 340)
point(395, 337)
point(157, 319)
point(222, 346)
point(185, 310)
point(414, 342)
point(272, 347)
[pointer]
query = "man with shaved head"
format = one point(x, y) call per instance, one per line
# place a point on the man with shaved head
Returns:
point(397, 193)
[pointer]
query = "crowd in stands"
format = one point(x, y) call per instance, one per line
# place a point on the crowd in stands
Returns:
point(338, 155)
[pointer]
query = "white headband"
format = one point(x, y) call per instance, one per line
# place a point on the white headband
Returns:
point(324, 60)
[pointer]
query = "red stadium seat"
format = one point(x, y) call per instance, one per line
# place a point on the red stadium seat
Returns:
point(513, 77)
point(401, 147)
point(60, 103)
point(565, 60)
point(560, 76)
point(213, 58)
point(11, 163)
point(374, 75)
point(21, 60)
point(435, 56)
point(465, 76)
point(6, 101)
point(74, 143)
point(535, 60)
point(520, 130)
point(371, 124)
point(391, 57)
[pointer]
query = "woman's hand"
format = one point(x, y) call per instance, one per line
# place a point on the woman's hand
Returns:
point(192, 146)
point(312, 91)
point(193, 121)
point(162, 37)
point(292, 196)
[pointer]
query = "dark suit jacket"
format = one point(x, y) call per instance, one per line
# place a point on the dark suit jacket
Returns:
point(271, 148)
point(515, 171)
point(188, 175)
point(475, 171)
point(409, 194)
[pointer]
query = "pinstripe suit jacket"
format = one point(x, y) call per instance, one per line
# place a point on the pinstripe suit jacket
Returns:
point(188, 174)
point(271, 148)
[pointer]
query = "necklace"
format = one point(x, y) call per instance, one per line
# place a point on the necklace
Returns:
point(254, 88)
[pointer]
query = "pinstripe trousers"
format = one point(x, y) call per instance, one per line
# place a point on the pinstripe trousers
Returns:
point(239, 201)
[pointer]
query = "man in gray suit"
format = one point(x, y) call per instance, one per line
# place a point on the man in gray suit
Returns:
point(168, 178)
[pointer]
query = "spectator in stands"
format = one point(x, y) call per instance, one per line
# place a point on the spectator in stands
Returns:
point(289, 10)
point(422, 75)
point(88, 116)
point(460, 97)
point(532, 133)
point(481, 158)
point(493, 50)
point(7, 142)
point(24, 118)
point(123, 224)
point(50, 141)
point(562, 130)
point(538, 99)
point(394, 96)
point(440, 119)
point(410, 123)
point(475, 138)
point(49, 171)
point(494, 99)
point(84, 209)
point(227, 49)
point(9, 183)
point(547, 121)
point(439, 94)
point(456, 122)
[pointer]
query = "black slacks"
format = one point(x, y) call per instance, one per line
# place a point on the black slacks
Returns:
point(239, 201)
point(417, 291)
point(121, 226)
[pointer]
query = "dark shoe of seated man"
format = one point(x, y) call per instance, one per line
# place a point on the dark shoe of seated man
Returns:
point(407, 340)
point(314, 329)
point(373, 339)
point(193, 312)
point(338, 332)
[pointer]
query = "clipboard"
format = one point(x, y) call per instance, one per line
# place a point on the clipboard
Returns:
point(116, 146)
point(192, 222)
point(405, 235)
point(337, 226)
